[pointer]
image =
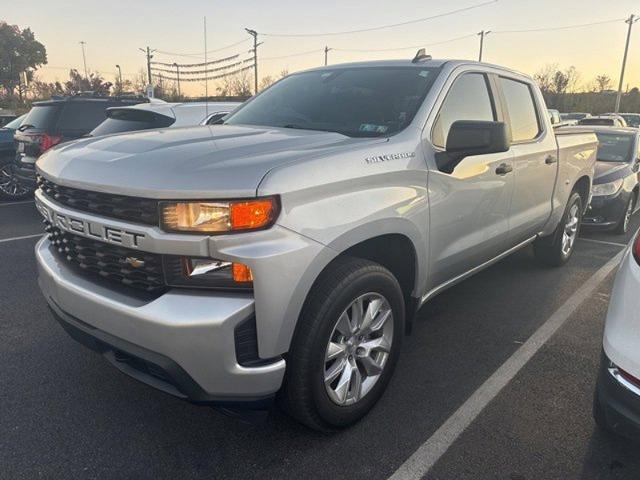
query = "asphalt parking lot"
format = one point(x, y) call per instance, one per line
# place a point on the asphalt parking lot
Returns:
point(66, 413)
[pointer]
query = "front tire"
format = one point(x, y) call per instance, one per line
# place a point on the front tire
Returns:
point(556, 249)
point(346, 345)
point(11, 188)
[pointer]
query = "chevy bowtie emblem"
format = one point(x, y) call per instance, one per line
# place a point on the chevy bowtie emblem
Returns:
point(133, 261)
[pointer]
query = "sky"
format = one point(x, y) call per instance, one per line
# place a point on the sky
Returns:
point(114, 30)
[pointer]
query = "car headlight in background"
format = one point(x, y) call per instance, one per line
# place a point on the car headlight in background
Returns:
point(610, 188)
point(206, 273)
point(219, 217)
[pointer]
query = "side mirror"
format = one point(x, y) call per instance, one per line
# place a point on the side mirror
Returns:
point(472, 137)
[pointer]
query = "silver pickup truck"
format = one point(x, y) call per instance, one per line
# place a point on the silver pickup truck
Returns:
point(284, 253)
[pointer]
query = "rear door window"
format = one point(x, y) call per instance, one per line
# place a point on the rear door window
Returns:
point(468, 99)
point(523, 116)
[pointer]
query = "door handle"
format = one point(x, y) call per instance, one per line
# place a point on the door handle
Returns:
point(550, 160)
point(503, 169)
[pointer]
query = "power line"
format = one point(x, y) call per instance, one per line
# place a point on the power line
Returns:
point(202, 79)
point(317, 50)
point(565, 27)
point(407, 47)
point(201, 54)
point(381, 27)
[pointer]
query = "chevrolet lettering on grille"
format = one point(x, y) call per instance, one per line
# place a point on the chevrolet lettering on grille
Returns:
point(89, 229)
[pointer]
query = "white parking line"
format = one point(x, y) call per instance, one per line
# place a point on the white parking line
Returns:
point(423, 459)
point(602, 242)
point(24, 237)
point(23, 202)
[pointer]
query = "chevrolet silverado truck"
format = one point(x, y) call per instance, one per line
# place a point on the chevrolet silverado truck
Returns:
point(283, 253)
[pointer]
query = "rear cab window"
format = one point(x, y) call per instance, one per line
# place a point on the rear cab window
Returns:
point(524, 120)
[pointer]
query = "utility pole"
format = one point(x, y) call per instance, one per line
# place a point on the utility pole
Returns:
point(148, 53)
point(482, 34)
point(326, 55)
point(631, 20)
point(177, 76)
point(254, 34)
point(120, 75)
point(84, 60)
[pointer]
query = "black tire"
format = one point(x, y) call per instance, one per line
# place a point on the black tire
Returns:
point(623, 224)
point(10, 187)
point(549, 250)
point(304, 395)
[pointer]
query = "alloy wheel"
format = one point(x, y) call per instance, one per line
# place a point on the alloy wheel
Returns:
point(570, 231)
point(10, 185)
point(358, 349)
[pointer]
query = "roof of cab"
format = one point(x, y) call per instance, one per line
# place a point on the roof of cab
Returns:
point(408, 62)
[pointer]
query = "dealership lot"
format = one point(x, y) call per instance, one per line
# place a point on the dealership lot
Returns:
point(66, 413)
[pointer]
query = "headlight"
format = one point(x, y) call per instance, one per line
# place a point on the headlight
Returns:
point(219, 217)
point(610, 188)
point(206, 273)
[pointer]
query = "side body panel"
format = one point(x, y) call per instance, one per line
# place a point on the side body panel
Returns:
point(576, 159)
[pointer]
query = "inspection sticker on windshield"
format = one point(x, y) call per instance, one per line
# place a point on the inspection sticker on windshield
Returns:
point(389, 157)
point(371, 127)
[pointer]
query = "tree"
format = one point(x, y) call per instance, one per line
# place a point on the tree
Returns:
point(78, 83)
point(602, 82)
point(20, 55)
point(266, 82)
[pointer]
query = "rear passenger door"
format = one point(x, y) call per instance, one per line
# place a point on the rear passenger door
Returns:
point(534, 158)
point(469, 207)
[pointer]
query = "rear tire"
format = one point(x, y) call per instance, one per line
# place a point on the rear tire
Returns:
point(11, 188)
point(337, 370)
point(556, 249)
point(599, 414)
point(625, 221)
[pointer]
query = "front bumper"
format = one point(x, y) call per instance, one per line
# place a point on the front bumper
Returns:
point(181, 342)
point(606, 212)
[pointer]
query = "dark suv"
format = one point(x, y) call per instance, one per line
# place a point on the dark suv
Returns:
point(52, 122)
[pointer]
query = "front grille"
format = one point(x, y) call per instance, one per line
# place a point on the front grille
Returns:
point(133, 209)
point(108, 261)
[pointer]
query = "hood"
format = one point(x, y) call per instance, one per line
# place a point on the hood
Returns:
point(219, 161)
point(610, 171)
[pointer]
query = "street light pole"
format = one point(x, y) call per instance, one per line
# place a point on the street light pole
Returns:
point(482, 34)
point(120, 76)
point(177, 76)
point(631, 20)
point(84, 61)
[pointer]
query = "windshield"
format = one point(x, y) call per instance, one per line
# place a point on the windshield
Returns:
point(597, 121)
point(614, 148)
point(574, 116)
point(358, 102)
point(632, 120)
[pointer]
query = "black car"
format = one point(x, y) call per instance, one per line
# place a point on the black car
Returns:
point(615, 184)
point(52, 122)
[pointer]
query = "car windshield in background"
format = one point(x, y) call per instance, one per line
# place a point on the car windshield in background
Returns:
point(597, 121)
point(632, 120)
point(358, 102)
point(614, 148)
point(15, 123)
